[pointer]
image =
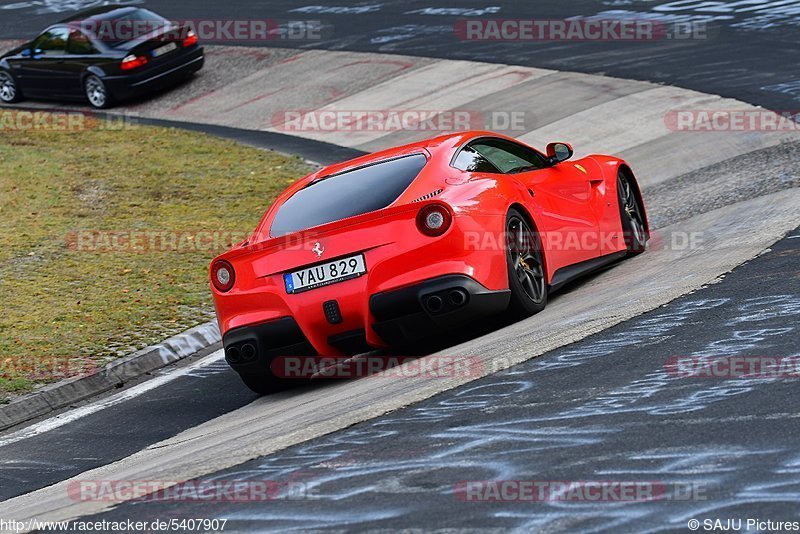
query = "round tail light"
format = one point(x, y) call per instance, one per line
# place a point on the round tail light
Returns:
point(222, 275)
point(434, 220)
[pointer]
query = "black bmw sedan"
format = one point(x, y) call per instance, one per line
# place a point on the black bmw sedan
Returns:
point(104, 55)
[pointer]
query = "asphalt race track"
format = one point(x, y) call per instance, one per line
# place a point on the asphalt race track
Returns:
point(603, 408)
point(249, 432)
point(582, 391)
point(749, 50)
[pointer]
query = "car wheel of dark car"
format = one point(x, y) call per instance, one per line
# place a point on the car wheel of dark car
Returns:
point(9, 91)
point(526, 274)
point(97, 93)
point(630, 212)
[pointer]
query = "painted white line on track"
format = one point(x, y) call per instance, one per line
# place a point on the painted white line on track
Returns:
point(78, 413)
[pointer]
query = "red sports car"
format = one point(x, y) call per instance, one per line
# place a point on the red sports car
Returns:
point(402, 243)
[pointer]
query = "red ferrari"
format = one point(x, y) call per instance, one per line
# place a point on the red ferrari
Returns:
point(399, 244)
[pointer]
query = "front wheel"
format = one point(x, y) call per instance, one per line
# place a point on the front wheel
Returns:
point(631, 215)
point(9, 91)
point(97, 93)
point(526, 271)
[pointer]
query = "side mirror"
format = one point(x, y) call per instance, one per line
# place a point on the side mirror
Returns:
point(558, 152)
point(36, 52)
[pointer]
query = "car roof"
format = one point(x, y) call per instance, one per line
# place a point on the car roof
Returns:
point(99, 13)
point(434, 146)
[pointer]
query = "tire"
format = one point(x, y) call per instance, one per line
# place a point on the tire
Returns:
point(266, 383)
point(631, 215)
point(526, 266)
point(9, 90)
point(97, 93)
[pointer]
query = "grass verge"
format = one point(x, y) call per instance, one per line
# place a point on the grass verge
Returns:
point(107, 234)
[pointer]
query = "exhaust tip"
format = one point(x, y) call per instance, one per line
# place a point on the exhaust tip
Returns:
point(434, 304)
point(457, 297)
point(233, 355)
point(248, 352)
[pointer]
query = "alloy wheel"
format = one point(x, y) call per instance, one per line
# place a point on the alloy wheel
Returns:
point(526, 259)
point(632, 212)
point(96, 92)
point(8, 89)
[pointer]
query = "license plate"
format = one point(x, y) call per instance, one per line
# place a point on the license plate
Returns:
point(167, 48)
point(325, 274)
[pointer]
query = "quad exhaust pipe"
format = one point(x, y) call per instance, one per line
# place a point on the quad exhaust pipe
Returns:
point(445, 301)
point(248, 352)
point(435, 304)
point(457, 297)
point(233, 355)
point(244, 353)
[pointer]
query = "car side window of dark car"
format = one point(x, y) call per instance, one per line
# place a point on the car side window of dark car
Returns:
point(53, 42)
point(471, 160)
point(80, 44)
point(508, 156)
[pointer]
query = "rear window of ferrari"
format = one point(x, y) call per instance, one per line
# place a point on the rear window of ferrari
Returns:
point(347, 194)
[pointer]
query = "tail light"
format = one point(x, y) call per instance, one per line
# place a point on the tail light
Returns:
point(434, 220)
point(133, 62)
point(222, 275)
point(191, 39)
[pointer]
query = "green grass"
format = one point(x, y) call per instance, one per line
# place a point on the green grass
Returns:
point(86, 305)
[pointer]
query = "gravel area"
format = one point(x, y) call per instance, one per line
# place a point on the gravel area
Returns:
point(747, 176)
point(224, 66)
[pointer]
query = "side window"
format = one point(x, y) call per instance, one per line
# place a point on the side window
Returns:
point(509, 157)
point(471, 160)
point(79, 44)
point(52, 42)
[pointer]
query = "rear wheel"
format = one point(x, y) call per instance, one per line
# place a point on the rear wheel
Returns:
point(97, 93)
point(631, 215)
point(9, 91)
point(525, 260)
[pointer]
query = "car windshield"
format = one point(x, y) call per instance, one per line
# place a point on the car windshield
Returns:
point(347, 194)
point(122, 26)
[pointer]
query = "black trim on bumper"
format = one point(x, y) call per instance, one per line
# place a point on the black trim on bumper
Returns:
point(251, 349)
point(420, 310)
point(351, 343)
